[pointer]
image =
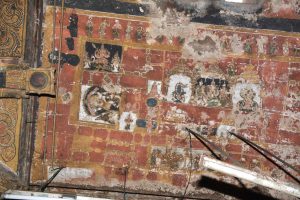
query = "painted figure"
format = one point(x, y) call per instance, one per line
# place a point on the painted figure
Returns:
point(231, 71)
point(247, 105)
point(273, 48)
point(247, 47)
point(179, 88)
point(115, 63)
point(286, 48)
point(212, 92)
point(70, 43)
point(139, 33)
point(226, 45)
point(101, 104)
point(101, 58)
point(102, 29)
point(89, 27)
point(224, 95)
point(128, 31)
point(179, 93)
point(116, 29)
point(73, 26)
point(154, 88)
point(128, 120)
point(156, 157)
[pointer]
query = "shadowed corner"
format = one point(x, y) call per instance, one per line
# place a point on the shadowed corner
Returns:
point(232, 190)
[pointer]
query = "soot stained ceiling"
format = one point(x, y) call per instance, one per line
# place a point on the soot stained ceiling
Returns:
point(217, 12)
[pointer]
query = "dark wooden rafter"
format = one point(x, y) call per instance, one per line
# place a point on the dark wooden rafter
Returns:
point(30, 106)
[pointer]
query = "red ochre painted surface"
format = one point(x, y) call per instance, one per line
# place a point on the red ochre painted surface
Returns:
point(255, 94)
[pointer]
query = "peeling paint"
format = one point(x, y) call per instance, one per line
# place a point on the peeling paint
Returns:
point(69, 174)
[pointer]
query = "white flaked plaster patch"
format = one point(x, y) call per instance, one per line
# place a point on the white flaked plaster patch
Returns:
point(290, 121)
point(129, 125)
point(222, 131)
point(147, 68)
point(236, 97)
point(186, 81)
point(288, 153)
point(69, 173)
point(181, 128)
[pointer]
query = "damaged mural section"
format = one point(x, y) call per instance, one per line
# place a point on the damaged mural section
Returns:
point(100, 104)
point(205, 87)
point(128, 102)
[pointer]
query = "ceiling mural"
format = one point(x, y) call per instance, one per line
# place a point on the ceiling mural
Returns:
point(128, 86)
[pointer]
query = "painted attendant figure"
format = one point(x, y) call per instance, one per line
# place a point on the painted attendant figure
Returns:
point(102, 29)
point(115, 63)
point(89, 27)
point(116, 29)
point(128, 31)
point(139, 33)
point(101, 58)
point(178, 94)
point(128, 122)
point(73, 26)
point(247, 105)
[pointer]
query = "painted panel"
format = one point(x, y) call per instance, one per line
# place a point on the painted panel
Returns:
point(12, 20)
point(99, 104)
point(103, 57)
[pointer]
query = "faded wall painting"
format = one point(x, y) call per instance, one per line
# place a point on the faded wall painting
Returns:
point(179, 89)
point(212, 92)
point(99, 104)
point(211, 87)
point(222, 131)
point(103, 57)
point(246, 98)
point(128, 121)
point(154, 88)
point(163, 158)
point(166, 158)
point(137, 89)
